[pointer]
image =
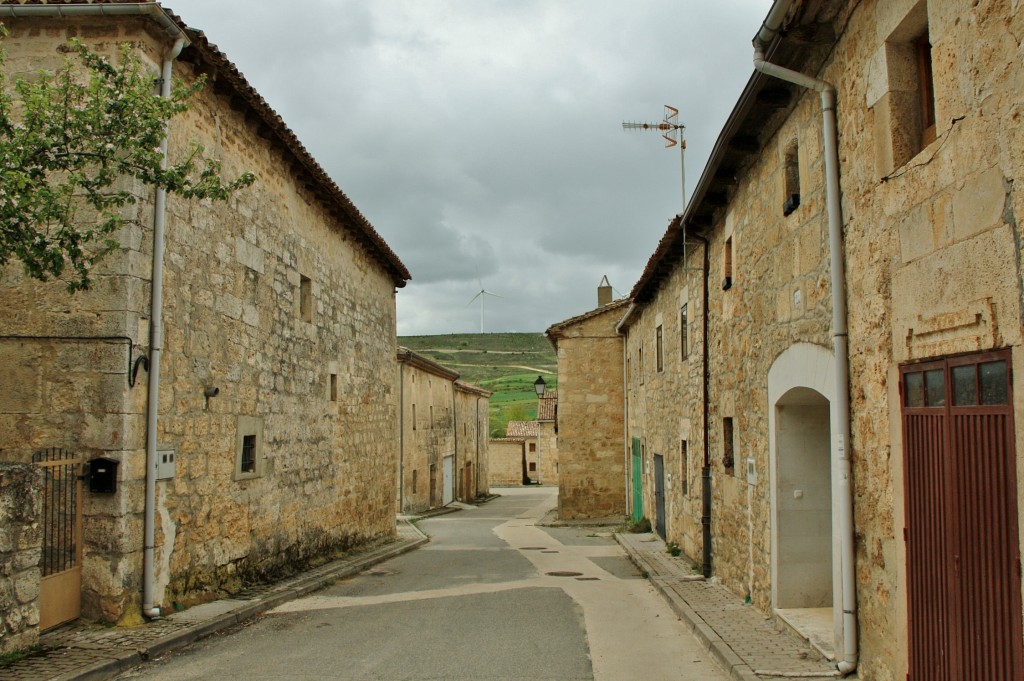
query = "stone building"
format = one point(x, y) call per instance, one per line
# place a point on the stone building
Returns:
point(442, 442)
point(547, 437)
point(472, 454)
point(529, 433)
point(272, 431)
point(506, 461)
point(591, 479)
point(823, 354)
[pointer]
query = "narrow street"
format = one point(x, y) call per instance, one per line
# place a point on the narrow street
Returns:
point(492, 596)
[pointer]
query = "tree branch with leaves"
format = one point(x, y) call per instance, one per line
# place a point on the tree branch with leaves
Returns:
point(70, 142)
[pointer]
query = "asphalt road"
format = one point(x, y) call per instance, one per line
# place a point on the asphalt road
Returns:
point(492, 597)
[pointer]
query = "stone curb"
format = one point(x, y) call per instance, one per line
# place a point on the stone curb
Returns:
point(711, 641)
point(122, 660)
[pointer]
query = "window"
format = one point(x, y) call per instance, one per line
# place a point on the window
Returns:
point(430, 425)
point(414, 480)
point(925, 88)
point(414, 416)
point(248, 453)
point(791, 179)
point(306, 299)
point(659, 337)
point(640, 363)
point(684, 350)
point(533, 446)
point(334, 388)
point(248, 448)
point(904, 108)
point(727, 265)
point(728, 454)
point(533, 466)
point(684, 456)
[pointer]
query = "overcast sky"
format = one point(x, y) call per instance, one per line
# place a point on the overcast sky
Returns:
point(483, 138)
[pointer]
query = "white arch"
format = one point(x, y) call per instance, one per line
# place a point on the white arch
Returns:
point(809, 367)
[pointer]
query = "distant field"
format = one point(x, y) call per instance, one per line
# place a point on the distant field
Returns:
point(507, 364)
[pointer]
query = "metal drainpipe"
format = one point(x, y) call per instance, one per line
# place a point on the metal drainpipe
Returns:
point(149, 609)
point(623, 331)
point(401, 436)
point(842, 466)
point(705, 472)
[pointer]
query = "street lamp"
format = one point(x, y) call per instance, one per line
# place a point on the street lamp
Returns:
point(539, 386)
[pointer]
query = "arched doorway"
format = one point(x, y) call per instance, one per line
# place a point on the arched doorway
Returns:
point(803, 512)
point(806, 583)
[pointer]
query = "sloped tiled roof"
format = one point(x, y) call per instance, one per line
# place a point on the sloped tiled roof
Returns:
point(556, 331)
point(224, 78)
point(470, 388)
point(547, 410)
point(413, 358)
point(521, 429)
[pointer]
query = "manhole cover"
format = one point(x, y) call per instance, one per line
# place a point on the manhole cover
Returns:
point(564, 573)
point(533, 548)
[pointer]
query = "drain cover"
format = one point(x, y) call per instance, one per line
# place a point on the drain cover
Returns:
point(532, 548)
point(564, 573)
point(549, 551)
point(587, 579)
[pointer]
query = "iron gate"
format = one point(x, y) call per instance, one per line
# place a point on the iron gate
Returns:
point(60, 590)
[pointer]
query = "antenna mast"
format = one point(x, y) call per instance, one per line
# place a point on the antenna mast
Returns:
point(670, 128)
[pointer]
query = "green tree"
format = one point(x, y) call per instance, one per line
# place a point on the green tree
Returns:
point(70, 142)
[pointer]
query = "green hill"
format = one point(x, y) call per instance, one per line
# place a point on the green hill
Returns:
point(507, 364)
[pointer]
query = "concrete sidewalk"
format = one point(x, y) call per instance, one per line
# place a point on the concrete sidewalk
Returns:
point(93, 652)
point(748, 644)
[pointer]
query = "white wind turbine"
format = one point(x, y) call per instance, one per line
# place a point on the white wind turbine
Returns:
point(482, 295)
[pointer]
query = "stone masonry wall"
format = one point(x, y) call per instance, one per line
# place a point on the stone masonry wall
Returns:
point(428, 436)
point(266, 299)
point(471, 415)
point(505, 462)
point(21, 544)
point(590, 417)
point(933, 252)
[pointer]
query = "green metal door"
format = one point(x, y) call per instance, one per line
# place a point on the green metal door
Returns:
point(638, 490)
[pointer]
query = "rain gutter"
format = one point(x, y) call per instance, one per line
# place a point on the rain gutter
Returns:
point(841, 453)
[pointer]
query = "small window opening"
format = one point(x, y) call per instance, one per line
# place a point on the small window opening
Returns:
point(727, 265)
point(659, 348)
point(533, 446)
point(684, 350)
point(415, 476)
point(248, 453)
point(926, 88)
point(306, 299)
point(684, 456)
point(640, 363)
point(334, 387)
point(414, 417)
point(533, 467)
point(728, 454)
point(791, 200)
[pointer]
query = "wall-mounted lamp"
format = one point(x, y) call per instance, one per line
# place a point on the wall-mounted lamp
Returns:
point(540, 386)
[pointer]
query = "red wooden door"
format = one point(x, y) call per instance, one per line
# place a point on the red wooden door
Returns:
point(963, 557)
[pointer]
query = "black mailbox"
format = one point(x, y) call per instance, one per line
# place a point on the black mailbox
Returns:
point(103, 475)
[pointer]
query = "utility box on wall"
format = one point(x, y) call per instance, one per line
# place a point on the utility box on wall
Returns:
point(103, 475)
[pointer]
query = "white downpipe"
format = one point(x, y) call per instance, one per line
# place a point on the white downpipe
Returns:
point(839, 328)
point(155, 347)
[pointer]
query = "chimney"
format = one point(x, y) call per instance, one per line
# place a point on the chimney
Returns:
point(604, 292)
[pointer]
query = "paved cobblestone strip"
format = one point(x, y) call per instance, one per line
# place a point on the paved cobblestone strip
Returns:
point(745, 641)
point(88, 651)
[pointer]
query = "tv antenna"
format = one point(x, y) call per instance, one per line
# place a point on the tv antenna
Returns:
point(670, 129)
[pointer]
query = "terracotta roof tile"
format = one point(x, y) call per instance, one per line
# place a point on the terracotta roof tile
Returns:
point(521, 429)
